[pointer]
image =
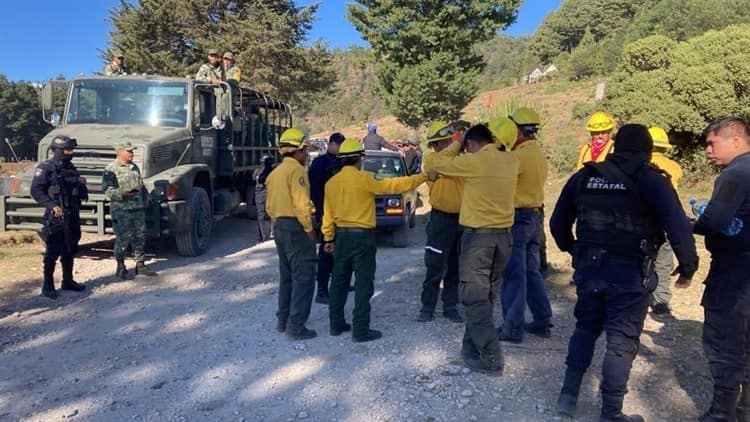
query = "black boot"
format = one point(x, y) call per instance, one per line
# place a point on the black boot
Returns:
point(121, 272)
point(568, 399)
point(48, 288)
point(743, 406)
point(67, 279)
point(142, 269)
point(612, 410)
point(723, 406)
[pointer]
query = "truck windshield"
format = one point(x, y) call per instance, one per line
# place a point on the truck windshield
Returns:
point(128, 102)
point(384, 167)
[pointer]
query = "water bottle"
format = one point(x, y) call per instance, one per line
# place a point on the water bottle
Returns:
point(735, 226)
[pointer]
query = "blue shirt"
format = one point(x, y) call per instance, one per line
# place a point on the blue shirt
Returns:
point(321, 169)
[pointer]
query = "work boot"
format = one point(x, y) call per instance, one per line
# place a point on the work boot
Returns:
point(660, 309)
point(743, 405)
point(302, 334)
point(568, 399)
point(425, 316)
point(514, 337)
point(478, 365)
point(281, 325)
point(72, 285)
point(370, 335)
point(142, 269)
point(121, 272)
point(612, 410)
point(337, 331)
point(723, 406)
point(48, 287)
point(539, 329)
point(453, 315)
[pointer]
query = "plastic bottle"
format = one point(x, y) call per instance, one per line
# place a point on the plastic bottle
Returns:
point(735, 226)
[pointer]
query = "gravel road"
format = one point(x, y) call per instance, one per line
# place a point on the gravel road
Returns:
point(198, 343)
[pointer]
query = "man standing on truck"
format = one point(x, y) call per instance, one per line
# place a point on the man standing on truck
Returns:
point(230, 70)
point(117, 66)
point(374, 142)
point(58, 186)
point(128, 200)
point(349, 220)
point(288, 205)
point(213, 71)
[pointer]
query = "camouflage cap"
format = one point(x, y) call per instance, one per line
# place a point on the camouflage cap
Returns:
point(213, 52)
point(229, 56)
point(127, 146)
point(117, 53)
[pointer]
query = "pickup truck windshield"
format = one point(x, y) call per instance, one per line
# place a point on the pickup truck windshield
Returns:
point(384, 167)
point(128, 102)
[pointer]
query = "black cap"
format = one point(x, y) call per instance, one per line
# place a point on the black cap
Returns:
point(633, 138)
point(337, 138)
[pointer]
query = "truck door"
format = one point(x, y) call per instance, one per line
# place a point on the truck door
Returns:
point(204, 146)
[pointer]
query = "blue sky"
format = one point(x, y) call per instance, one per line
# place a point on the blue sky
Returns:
point(65, 37)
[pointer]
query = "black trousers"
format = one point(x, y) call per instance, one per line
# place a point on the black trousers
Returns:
point(441, 261)
point(58, 247)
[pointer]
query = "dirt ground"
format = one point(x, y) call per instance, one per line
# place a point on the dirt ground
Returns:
point(198, 343)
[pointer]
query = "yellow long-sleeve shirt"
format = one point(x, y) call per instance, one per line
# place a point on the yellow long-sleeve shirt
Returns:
point(350, 198)
point(445, 193)
point(584, 155)
point(490, 177)
point(288, 190)
point(531, 176)
point(671, 167)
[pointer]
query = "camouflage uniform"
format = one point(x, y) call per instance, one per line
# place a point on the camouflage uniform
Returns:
point(233, 72)
point(114, 69)
point(208, 71)
point(128, 213)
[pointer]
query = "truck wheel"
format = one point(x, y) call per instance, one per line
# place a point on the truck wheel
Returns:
point(251, 211)
point(400, 237)
point(195, 240)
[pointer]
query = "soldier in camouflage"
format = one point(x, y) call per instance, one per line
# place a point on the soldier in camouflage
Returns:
point(123, 187)
point(117, 66)
point(213, 71)
point(230, 70)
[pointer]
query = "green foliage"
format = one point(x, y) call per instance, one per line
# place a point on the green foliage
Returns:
point(506, 58)
point(587, 59)
point(171, 37)
point(427, 61)
point(695, 164)
point(582, 111)
point(562, 154)
point(20, 119)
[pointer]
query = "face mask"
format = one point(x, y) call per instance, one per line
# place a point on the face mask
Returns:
point(59, 155)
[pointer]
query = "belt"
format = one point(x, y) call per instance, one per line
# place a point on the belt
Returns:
point(486, 230)
point(353, 230)
point(530, 209)
point(286, 218)
point(444, 214)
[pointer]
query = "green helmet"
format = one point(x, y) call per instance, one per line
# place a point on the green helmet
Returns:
point(440, 130)
point(505, 132)
point(525, 116)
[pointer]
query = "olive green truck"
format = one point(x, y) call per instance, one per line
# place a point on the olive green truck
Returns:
point(197, 145)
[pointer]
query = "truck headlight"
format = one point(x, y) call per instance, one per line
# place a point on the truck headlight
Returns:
point(393, 202)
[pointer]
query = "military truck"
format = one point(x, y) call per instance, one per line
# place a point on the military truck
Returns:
point(197, 145)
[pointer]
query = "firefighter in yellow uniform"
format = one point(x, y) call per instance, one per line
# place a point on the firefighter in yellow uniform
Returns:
point(664, 265)
point(348, 230)
point(289, 207)
point(486, 215)
point(600, 126)
point(443, 231)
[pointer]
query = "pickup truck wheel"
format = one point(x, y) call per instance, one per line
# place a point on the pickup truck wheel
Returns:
point(195, 240)
point(251, 211)
point(400, 237)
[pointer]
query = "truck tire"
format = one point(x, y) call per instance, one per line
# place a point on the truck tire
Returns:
point(400, 236)
point(195, 240)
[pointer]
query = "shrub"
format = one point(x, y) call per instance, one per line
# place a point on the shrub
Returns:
point(696, 166)
point(562, 155)
point(581, 111)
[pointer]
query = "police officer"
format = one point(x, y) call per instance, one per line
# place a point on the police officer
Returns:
point(261, 175)
point(321, 170)
point(373, 141)
point(117, 66)
point(443, 231)
point(288, 205)
point(230, 70)
point(600, 126)
point(128, 199)
point(621, 208)
point(726, 299)
point(664, 265)
point(213, 71)
point(522, 281)
point(349, 221)
point(489, 184)
point(58, 186)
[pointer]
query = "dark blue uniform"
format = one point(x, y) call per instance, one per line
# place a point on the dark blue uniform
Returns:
point(618, 221)
point(726, 300)
point(56, 183)
point(322, 169)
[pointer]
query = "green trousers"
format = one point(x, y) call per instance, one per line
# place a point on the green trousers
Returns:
point(297, 272)
point(354, 252)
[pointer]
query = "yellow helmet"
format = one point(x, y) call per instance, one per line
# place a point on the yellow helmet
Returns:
point(505, 132)
point(525, 116)
point(440, 130)
point(351, 148)
point(661, 140)
point(292, 137)
point(600, 122)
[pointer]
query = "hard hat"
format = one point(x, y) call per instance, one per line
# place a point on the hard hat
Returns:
point(525, 116)
point(440, 130)
point(292, 137)
point(63, 142)
point(351, 148)
point(505, 132)
point(661, 140)
point(600, 122)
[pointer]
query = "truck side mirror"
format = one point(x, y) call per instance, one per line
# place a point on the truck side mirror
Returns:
point(47, 97)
